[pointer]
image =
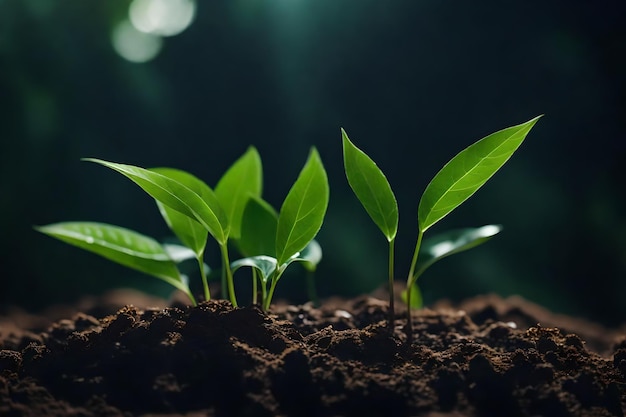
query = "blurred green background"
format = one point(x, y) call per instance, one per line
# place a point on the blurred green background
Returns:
point(413, 82)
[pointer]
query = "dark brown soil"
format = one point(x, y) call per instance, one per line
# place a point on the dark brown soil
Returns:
point(485, 357)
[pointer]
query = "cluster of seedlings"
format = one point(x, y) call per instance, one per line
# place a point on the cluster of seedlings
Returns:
point(235, 215)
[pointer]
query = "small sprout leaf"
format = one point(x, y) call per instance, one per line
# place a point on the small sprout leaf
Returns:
point(191, 233)
point(244, 179)
point(371, 188)
point(454, 241)
point(311, 256)
point(120, 245)
point(178, 253)
point(205, 209)
point(266, 265)
point(464, 174)
point(416, 297)
point(258, 229)
point(303, 210)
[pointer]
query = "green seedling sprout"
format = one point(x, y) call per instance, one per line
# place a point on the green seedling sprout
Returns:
point(373, 190)
point(277, 240)
point(458, 180)
point(192, 210)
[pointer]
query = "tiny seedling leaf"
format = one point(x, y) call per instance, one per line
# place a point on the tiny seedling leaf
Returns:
point(266, 265)
point(303, 210)
point(244, 179)
point(207, 211)
point(371, 188)
point(311, 256)
point(454, 241)
point(416, 296)
point(178, 253)
point(258, 229)
point(464, 174)
point(120, 245)
point(191, 233)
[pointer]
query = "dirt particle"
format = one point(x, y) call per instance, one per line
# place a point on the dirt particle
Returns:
point(10, 360)
point(546, 344)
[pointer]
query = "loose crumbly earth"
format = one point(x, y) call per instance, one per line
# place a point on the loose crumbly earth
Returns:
point(486, 357)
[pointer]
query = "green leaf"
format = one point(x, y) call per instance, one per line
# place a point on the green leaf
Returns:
point(191, 233)
point(243, 180)
point(266, 265)
point(120, 245)
point(416, 297)
point(258, 229)
point(371, 188)
point(178, 253)
point(443, 245)
point(460, 178)
point(310, 256)
point(207, 211)
point(302, 213)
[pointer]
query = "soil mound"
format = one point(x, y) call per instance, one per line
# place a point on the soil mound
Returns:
point(489, 359)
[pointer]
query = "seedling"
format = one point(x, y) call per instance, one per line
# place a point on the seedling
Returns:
point(192, 211)
point(458, 180)
point(272, 242)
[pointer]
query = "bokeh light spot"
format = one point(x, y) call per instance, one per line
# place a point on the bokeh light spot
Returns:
point(162, 17)
point(133, 45)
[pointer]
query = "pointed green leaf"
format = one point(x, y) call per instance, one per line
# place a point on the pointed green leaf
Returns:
point(178, 253)
point(310, 256)
point(416, 297)
point(371, 188)
point(468, 171)
point(243, 180)
point(206, 209)
point(191, 233)
point(302, 213)
point(258, 229)
point(266, 265)
point(120, 245)
point(445, 244)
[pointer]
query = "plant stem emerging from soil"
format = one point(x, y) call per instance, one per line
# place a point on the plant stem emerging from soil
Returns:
point(227, 275)
point(267, 300)
point(205, 284)
point(392, 313)
point(410, 282)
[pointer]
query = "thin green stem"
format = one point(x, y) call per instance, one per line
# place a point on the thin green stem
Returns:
point(254, 286)
point(392, 313)
point(420, 234)
point(409, 282)
point(192, 298)
point(205, 282)
point(263, 293)
point(228, 274)
point(270, 294)
point(224, 284)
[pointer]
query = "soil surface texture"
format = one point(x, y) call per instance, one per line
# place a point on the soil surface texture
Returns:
point(487, 356)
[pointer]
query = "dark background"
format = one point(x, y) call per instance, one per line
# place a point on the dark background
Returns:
point(412, 82)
